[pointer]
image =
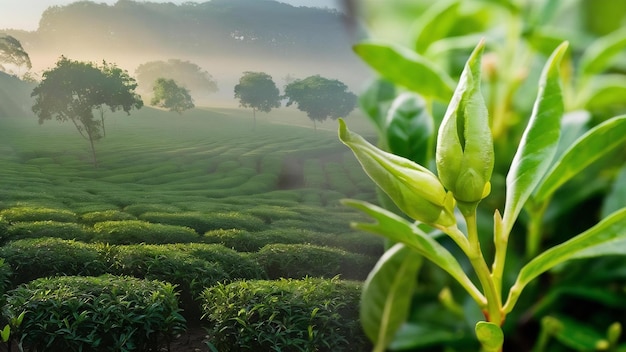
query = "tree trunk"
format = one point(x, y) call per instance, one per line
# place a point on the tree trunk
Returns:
point(315, 125)
point(93, 152)
point(254, 118)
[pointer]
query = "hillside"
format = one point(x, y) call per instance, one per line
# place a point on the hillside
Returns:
point(225, 37)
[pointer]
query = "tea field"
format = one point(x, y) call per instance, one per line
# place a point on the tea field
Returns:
point(198, 199)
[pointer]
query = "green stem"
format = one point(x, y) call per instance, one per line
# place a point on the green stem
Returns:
point(534, 232)
point(501, 240)
point(475, 255)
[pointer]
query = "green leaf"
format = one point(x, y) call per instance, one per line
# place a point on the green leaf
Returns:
point(539, 141)
point(407, 68)
point(578, 336)
point(597, 142)
point(609, 92)
point(376, 100)
point(398, 229)
point(435, 24)
point(616, 198)
point(410, 128)
point(608, 237)
point(573, 125)
point(490, 336)
point(387, 294)
point(5, 333)
point(598, 55)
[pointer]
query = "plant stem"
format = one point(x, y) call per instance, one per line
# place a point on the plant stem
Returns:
point(501, 240)
point(475, 255)
point(534, 232)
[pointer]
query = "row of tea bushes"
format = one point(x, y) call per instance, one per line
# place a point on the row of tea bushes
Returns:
point(105, 313)
point(192, 267)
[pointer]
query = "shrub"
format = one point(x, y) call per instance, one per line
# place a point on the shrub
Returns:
point(301, 260)
point(105, 215)
point(4, 229)
point(135, 231)
point(244, 241)
point(105, 313)
point(16, 214)
point(30, 259)
point(138, 209)
point(236, 265)
point(38, 229)
point(206, 222)
point(156, 262)
point(292, 315)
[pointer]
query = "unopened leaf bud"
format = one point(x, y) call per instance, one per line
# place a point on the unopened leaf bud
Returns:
point(412, 187)
point(464, 155)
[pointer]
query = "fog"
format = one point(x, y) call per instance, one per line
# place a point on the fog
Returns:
point(224, 38)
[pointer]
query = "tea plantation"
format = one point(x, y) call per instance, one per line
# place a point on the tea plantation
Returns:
point(196, 219)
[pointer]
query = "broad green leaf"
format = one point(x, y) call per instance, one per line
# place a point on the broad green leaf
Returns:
point(490, 336)
point(415, 335)
point(539, 141)
point(573, 125)
point(376, 99)
point(442, 47)
point(609, 92)
point(400, 230)
point(600, 140)
point(598, 55)
point(605, 238)
point(407, 68)
point(435, 24)
point(386, 296)
point(5, 333)
point(410, 128)
point(616, 198)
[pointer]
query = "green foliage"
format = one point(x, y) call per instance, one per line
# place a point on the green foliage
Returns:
point(136, 231)
point(30, 259)
point(169, 95)
point(73, 89)
point(189, 273)
point(186, 73)
point(24, 214)
point(105, 313)
point(296, 315)
point(320, 97)
point(12, 53)
point(258, 91)
point(202, 222)
point(300, 260)
point(93, 217)
point(37, 229)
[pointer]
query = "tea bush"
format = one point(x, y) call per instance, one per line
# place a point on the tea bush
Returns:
point(105, 215)
point(157, 262)
point(236, 265)
point(16, 214)
point(105, 313)
point(301, 260)
point(38, 229)
point(291, 315)
point(206, 222)
point(244, 241)
point(135, 231)
point(30, 259)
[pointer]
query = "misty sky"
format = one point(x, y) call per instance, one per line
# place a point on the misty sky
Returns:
point(25, 14)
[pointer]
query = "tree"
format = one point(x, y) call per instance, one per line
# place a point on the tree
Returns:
point(185, 73)
point(12, 53)
point(258, 91)
point(73, 90)
point(321, 98)
point(169, 95)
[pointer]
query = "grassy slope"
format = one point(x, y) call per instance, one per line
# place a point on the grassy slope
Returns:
point(205, 161)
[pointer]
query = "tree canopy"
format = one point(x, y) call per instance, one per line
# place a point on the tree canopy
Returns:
point(12, 53)
point(258, 91)
point(169, 95)
point(186, 73)
point(72, 90)
point(321, 97)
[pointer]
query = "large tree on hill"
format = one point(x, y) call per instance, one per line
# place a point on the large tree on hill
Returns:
point(171, 96)
point(73, 90)
point(258, 91)
point(12, 53)
point(320, 98)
